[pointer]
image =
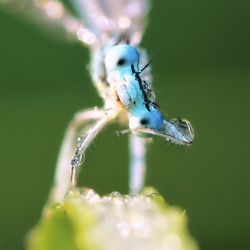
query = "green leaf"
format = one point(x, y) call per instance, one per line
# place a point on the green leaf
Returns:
point(86, 221)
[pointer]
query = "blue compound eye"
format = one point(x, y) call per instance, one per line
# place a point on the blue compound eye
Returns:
point(120, 56)
point(146, 119)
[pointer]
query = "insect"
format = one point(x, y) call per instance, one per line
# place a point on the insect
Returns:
point(120, 70)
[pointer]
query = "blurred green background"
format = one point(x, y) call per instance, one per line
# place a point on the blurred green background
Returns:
point(201, 72)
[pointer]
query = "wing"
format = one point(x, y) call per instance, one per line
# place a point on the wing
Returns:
point(114, 17)
point(52, 15)
point(177, 131)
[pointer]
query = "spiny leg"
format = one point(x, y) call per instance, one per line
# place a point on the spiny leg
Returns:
point(137, 166)
point(85, 142)
point(62, 175)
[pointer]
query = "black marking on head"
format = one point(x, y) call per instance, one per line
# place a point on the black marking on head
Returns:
point(144, 121)
point(121, 61)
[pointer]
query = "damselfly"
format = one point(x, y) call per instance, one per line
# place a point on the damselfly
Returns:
point(120, 70)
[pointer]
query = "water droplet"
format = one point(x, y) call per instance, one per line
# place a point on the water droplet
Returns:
point(115, 195)
point(91, 195)
point(79, 141)
point(77, 160)
point(106, 199)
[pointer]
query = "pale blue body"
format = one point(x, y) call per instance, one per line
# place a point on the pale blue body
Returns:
point(120, 76)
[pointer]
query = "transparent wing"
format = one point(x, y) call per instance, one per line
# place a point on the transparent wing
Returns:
point(114, 17)
point(53, 16)
point(177, 131)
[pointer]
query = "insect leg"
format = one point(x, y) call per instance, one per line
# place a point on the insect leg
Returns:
point(85, 142)
point(62, 174)
point(137, 166)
